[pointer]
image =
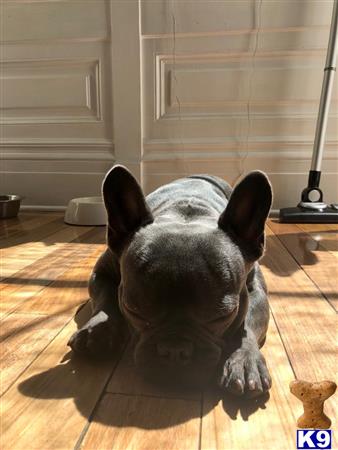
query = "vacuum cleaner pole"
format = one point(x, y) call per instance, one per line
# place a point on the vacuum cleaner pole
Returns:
point(324, 106)
point(312, 209)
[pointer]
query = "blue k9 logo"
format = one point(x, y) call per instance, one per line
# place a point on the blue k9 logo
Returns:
point(316, 439)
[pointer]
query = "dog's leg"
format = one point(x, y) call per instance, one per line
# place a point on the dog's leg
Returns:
point(245, 371)
point(106, 329)
point(257, 318)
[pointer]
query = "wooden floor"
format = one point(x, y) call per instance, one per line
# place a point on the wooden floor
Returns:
point(50, 401)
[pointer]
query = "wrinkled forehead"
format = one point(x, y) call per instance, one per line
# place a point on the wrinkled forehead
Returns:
point(195, 261)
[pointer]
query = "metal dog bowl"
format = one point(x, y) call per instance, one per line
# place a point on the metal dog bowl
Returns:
point(86, 211)
point(9, 206)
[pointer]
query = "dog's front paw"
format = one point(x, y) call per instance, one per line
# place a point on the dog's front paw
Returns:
point(97, 337)
point(245, 373)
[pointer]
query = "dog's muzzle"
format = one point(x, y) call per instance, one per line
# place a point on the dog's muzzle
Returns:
point(182, 356)
point(175, 352)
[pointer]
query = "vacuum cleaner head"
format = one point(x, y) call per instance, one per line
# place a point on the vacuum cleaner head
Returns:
point(309, 211)
point(300, 214)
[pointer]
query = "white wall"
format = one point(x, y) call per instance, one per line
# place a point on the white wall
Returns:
point(56, 100)
point(231, 86)
point(167, 87)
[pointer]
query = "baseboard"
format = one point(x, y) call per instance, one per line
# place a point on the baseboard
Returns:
point(42, 208)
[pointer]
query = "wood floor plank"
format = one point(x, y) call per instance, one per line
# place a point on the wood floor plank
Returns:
point(67, 292)
point(125, 422)
point(318, 227)
point(53, 402)
point(35, 277)
point(16, 257)
point(36, 234)
point(229, 423)
point(48, 406)
point(22, 338)
point(331, 226)
point(127, 380)
point(319, 264)
point(301, 313)
point(14, 261)
point(12, 265)
point(51, 242)
point(17, 221)
point(21, 219)
point(23, 227)
point(65, 233)
point(306, 321)
point(326, 236)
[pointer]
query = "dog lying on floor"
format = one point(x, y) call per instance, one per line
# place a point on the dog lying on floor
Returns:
point(181, 273)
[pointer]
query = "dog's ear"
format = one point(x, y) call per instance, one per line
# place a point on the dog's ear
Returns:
point(126, 206)
point(248, 208)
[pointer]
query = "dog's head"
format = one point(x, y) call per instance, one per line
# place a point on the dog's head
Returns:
point(183, 286)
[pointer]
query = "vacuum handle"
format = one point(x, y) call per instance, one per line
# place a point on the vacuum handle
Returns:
point(325, 97)
point(331, 55)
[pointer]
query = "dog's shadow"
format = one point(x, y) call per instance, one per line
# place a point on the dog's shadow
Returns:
point(83, 381)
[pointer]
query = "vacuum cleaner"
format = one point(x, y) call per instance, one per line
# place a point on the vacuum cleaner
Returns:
point(312, 208)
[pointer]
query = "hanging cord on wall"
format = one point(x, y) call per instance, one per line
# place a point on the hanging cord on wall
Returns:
point(248, 104)
point(186, 170)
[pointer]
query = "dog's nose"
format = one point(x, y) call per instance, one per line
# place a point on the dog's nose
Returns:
point(175, 351)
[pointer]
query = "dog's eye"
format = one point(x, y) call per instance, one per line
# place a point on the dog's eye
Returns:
point(132, 309)
point(134, 313)
point(216, 320)
point(223, 318)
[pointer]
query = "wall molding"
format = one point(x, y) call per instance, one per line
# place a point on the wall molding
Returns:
point(222, 148)
point(39, 142)
point(168, 68)
point(230, 55)
point(236, 32)
point(234, 156)
point(88, 74)
point(254, 113)
point(59, 156)
point(16, 11)
point(54, 41)
point(58, 149)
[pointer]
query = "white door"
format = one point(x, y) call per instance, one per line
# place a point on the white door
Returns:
point(70, 98)
point(166, 87)
point(230, 86)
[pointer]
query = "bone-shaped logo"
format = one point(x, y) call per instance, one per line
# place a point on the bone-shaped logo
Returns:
point(313, 396)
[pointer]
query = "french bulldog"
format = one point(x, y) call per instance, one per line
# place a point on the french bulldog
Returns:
point(181, 273)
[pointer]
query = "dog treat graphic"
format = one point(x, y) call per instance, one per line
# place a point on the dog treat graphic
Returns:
point(313, 396)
